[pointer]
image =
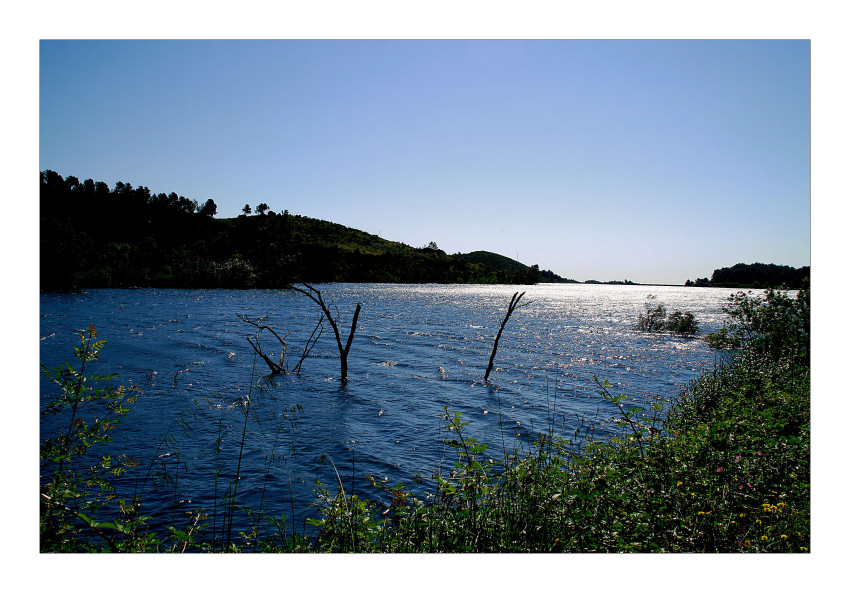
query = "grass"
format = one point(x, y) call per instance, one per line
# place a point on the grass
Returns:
point(725, 469)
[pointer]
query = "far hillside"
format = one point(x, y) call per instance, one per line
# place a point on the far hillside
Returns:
point(92, 236)
point(518, 272)
point(494, 260)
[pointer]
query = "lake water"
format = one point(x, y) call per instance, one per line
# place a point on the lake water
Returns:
point(417, 350)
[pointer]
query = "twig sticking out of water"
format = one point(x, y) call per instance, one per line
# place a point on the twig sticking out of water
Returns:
point(511, 307)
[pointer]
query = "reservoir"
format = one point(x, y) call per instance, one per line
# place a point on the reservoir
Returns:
point(209, 410)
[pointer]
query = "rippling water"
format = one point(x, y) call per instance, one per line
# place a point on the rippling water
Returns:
point(418, 349)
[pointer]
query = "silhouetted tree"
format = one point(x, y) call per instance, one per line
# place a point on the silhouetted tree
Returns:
point(246, 209)
point(209, 208)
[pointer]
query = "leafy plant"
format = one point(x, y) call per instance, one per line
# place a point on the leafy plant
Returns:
point(775, 324)
point(78, 507)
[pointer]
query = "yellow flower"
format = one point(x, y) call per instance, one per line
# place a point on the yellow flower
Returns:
point(742, 515)
point(758, 521)
point(804, 549)
point(747, 543)
point(679, 483)
point(764, 538)
point(784, 536)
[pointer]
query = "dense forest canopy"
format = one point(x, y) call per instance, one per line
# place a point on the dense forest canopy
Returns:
point(94, 237)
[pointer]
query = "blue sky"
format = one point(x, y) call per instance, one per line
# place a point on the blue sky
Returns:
point(653, 161)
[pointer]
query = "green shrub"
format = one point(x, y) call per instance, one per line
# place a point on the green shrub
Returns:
point(656, 319)
point(775, 325)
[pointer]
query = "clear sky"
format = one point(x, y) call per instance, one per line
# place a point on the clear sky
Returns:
point(653, 161)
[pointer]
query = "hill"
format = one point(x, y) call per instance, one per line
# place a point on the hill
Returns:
point(494, 260)
point(94, 237)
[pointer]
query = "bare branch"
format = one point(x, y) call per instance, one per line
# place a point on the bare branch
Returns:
point(316, 296)
point(513, 305)
point(308, 347)
point(280, 366)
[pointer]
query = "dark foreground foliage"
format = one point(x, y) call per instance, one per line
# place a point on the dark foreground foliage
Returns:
point(727, 469)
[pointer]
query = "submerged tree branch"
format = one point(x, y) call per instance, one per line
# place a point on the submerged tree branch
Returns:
point(275, 367)
point(311, 341)
point(511, 307)
point(316, 296)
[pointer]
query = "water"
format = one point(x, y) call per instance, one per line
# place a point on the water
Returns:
point(418, 349)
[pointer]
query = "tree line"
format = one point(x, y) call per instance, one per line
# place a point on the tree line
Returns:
point(92, 236)
point(757, 276)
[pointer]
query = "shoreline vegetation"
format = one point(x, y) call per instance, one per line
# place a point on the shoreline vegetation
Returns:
point(92, 236)
point(725, 469)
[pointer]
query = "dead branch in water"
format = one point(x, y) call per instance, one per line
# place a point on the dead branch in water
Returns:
point(280, 367)
point(511, 307)
point(311, 341)
point(316, 296)
point(275, 367)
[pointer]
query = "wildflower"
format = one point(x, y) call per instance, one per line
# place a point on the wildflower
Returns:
point(783, 536)
point(758, 521)
point(679, 483)
point(804, 549)
point(747, 543)
point(764, 538)
point(719, 469)
point(701, 513)
point(742, 515)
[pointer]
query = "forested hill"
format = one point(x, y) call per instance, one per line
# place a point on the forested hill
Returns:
point(757, 275)
point(92, 236)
